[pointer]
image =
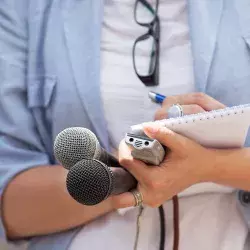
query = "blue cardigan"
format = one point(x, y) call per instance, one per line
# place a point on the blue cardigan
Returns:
point(50, 68)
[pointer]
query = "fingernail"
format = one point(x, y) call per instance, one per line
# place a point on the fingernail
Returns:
point(151, 128)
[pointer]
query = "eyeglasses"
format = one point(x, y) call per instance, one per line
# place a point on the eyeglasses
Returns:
point(146, 47)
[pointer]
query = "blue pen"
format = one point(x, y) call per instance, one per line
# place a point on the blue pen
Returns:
point(155, 97)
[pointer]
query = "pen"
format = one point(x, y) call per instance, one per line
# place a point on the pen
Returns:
point(155, 97)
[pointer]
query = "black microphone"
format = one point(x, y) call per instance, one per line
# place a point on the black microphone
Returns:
point(77, 143)
point(90, 182)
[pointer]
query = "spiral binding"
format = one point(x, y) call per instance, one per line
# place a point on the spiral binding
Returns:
point(204, 116)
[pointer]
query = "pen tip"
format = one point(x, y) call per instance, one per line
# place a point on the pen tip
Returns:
point(151, 95)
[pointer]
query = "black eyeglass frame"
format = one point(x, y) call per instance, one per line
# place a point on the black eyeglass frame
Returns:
point(152, 79)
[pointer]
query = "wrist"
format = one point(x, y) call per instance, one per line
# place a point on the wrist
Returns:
point(207, 165)
point(229, 167)
point(215, 165)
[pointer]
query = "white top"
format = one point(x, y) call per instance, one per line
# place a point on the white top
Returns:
point(209, 219)
point(125, 97)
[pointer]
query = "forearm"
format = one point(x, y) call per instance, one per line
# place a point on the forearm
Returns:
point(36, 202)
point(231, 168)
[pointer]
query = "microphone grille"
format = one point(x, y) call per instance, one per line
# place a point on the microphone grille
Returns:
point(74, 144)
point(89, 182)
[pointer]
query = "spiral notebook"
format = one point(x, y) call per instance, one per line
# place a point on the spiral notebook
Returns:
point(223, 128)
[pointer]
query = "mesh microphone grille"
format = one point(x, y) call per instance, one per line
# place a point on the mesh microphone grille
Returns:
point(89, 182)
point(74, 144)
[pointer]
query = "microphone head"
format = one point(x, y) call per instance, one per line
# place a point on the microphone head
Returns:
point(89, 182)
point(74, 144)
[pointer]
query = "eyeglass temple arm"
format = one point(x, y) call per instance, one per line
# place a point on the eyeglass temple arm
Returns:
point(149, 7)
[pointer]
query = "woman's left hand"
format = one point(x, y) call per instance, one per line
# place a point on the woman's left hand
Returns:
point(185, 164)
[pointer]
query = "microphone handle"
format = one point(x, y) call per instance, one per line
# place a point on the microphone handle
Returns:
point(108, 159)
point(122, 181)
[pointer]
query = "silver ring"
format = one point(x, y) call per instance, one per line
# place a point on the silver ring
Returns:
point(175, 111)
point(138, 197)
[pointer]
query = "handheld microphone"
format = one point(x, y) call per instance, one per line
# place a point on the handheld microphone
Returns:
point(90, 182)
point(77, 143)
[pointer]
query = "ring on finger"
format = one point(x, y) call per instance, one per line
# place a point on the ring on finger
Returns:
point(138, 197)
point(175, 110)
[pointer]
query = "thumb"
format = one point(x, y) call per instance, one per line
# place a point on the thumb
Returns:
point(165, 136)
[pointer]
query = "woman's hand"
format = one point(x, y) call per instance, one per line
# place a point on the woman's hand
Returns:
point(191, 103)
point(185, 164)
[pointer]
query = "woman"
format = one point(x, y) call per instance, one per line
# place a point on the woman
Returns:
point(69, 63)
